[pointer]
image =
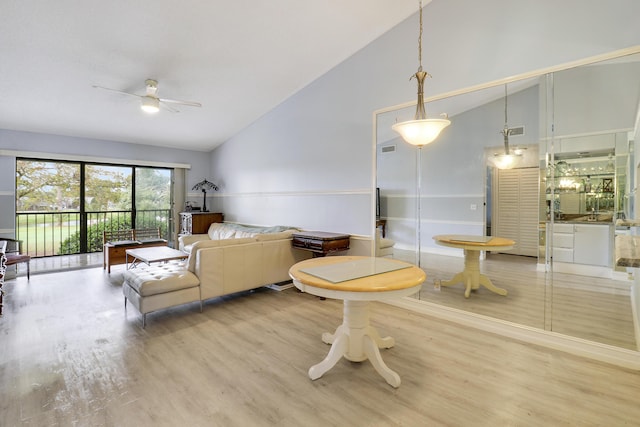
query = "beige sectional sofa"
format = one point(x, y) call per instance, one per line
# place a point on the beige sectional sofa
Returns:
point(230, 258)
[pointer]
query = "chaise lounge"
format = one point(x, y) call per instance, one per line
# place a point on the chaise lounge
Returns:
point(230, 258)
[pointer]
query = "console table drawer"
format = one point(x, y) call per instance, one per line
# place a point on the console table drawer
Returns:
point(321, 242)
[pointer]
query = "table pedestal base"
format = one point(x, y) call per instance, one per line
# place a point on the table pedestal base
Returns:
point(471, 276)
point(357, 341)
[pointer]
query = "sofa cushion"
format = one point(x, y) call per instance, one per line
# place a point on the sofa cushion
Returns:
point(227, 230)
point(274, 236)
point(242, 234)
point(204, 244)
point(160, 279)
point(221, 231)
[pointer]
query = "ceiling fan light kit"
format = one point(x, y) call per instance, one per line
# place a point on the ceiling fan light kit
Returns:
point(150, 104)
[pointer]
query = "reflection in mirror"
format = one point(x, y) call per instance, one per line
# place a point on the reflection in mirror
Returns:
point(559, 205)
point(595, 110)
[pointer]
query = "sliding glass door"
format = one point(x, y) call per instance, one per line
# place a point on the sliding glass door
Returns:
point(64, 207)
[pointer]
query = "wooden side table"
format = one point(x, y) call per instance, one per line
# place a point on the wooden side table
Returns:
point(321, 243)
point(198, 222)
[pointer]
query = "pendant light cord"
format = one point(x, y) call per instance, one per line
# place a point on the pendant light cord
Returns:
point(506, 131)
point(505, 106)
point(420, 41)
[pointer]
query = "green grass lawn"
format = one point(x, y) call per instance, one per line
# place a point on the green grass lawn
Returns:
point(43, 233)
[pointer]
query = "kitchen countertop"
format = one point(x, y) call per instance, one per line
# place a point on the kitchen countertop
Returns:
point(627, 223)
point(606, 219)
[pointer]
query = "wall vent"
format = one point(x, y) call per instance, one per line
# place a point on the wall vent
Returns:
point(388, 149)
point(516, 131)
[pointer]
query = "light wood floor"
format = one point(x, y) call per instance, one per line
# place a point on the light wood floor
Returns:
point(70, 355)
point(591, 308)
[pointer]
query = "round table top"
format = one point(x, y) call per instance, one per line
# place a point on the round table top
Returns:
point(397, 282)
point(458, 241)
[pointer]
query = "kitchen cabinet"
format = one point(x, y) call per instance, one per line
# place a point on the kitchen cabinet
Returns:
point(582, 244)
point(563, 242)
point(591, 244)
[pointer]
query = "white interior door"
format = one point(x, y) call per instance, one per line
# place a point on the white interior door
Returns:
point(516, 209)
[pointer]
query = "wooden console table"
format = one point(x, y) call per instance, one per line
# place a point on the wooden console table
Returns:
point(198, 222)
point(320, 243)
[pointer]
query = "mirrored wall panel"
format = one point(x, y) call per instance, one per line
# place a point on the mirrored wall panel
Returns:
point(521, 198)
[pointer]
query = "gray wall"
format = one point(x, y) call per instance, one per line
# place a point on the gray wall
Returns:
point(309, 162)
point(610, 103)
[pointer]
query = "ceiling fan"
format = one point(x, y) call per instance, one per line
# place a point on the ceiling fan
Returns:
point(150, 102)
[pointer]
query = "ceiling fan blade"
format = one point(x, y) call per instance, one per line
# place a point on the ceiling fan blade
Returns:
point(116, 90)
point(175, 101)
point(169, 108)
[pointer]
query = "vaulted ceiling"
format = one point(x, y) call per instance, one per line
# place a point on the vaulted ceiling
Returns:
point(238, 58)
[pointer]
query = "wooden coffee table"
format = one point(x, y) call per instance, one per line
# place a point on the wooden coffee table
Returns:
point(152, 254)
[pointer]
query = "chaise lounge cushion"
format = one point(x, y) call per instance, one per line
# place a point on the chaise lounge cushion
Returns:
point(159, 279)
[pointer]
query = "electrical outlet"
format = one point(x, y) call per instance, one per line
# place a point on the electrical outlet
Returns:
point(474, 207)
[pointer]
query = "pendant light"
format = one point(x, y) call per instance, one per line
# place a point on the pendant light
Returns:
point(420, 131)
point(510, 158)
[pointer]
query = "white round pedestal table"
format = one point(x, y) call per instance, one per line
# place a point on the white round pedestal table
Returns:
point(472, 245)
point(355, 339)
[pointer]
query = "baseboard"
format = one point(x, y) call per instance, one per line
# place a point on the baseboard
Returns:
point(583, 269)
point(593, 350)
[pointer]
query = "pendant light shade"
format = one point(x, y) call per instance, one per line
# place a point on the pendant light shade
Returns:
point(420, 132)
point(504, 161)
